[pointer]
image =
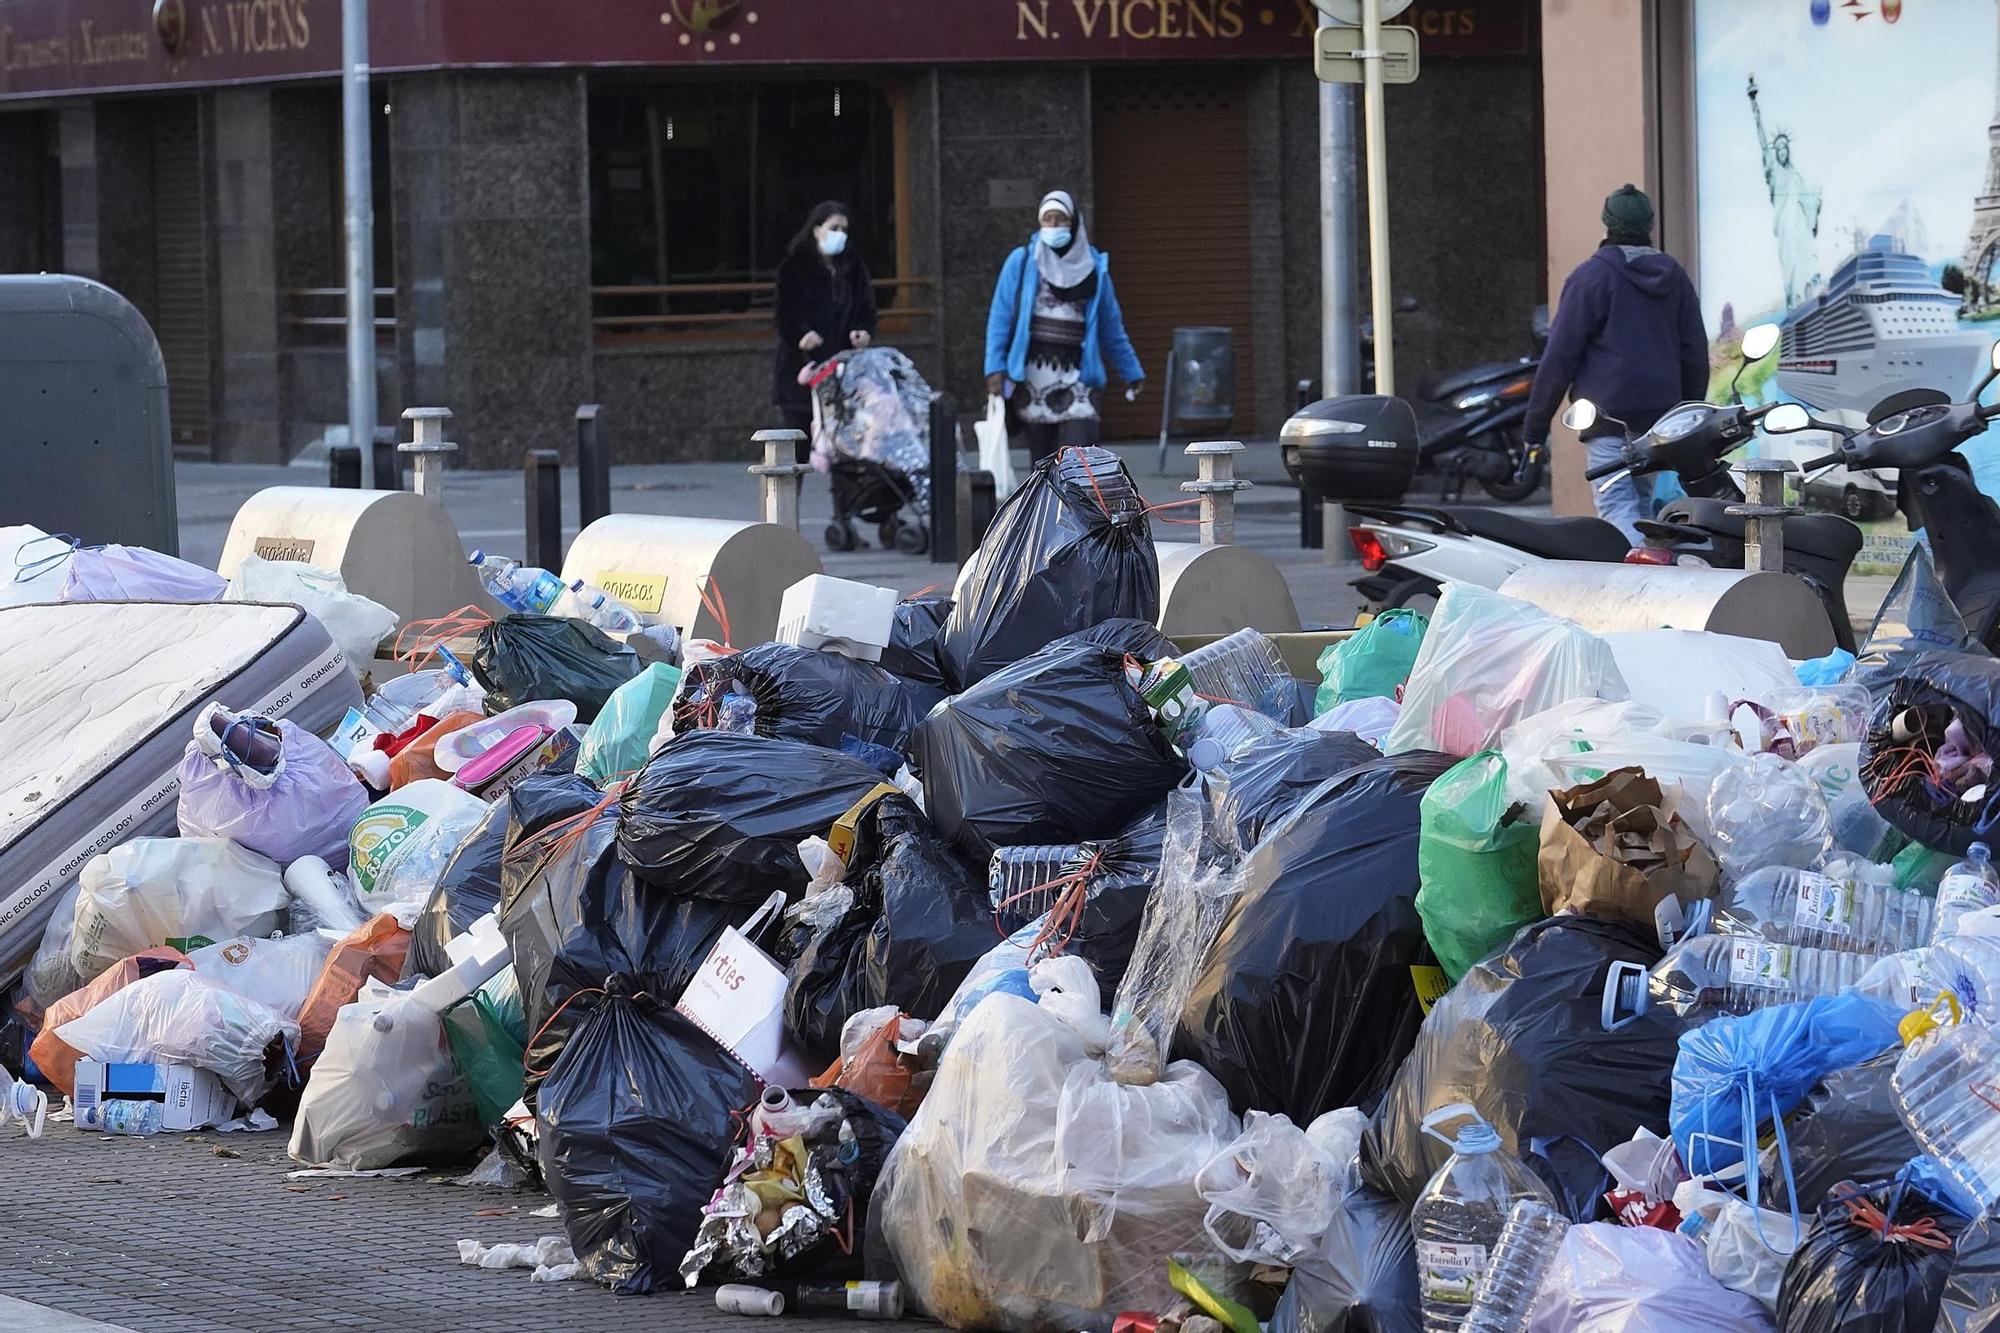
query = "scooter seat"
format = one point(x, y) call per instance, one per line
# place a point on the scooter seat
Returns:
point(1821, 536)
point(1553, 538)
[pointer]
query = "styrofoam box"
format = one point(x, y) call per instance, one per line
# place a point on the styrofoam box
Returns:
point(838, 615)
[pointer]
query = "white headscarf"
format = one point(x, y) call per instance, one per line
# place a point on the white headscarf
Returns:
point(1071, 266)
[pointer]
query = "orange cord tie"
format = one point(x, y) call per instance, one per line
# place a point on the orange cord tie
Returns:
point(574, 995)
point(1065, 914)
point(1924, 1231)
point(715, 606)
point(434, 632)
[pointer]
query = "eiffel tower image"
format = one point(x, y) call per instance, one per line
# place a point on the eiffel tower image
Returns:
point(1982, 247)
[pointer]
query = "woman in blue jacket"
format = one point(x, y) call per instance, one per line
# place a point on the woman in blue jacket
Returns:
point(1054, 326)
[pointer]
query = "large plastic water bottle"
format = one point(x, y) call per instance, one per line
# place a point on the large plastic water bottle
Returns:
point(1461, 1213)
point(1969, 967)
point(1223, 730)
point(1852, 905)
point(1245, 669)
point(1966, 887)
point(18, 1101)
point(1528, 1245)
point(1944, 1089)
point(581, 601)
point(524, 588)
point(1019, 877)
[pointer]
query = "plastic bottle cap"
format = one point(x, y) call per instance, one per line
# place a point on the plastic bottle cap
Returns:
point(478, 557)
point(1206, 753)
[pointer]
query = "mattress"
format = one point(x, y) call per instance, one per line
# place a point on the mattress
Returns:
point(97, 701)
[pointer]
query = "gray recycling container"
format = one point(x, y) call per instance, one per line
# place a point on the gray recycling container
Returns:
point(84, 443)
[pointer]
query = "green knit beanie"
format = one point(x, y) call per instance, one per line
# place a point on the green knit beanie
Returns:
point(1628, 209)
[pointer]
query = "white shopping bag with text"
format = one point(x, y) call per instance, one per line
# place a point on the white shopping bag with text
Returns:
point(737, 996)
point(994, 456)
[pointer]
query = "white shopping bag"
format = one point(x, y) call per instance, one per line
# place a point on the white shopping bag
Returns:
point(994, 456)
point(738, 997)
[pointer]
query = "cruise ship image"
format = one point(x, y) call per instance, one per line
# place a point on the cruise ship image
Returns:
point(1880, 325)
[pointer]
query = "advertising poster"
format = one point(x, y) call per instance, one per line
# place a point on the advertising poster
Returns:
point(1848, 178)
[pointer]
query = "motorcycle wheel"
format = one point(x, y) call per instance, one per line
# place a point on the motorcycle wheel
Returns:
point(1524, 477)
point(1418, 594)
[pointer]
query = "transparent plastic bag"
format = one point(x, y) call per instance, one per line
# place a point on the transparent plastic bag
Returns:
point(1489, 661)
point(185, 892)
point(385, 1091)
point(1767, 812)
point(182, 1017)
point(1272, 1193)
point(356, 623)
point(1856, 824)
point(620, 740)
point(1676, 670)
point(275, 972)
point(1614, 1279)
point(1917, 616)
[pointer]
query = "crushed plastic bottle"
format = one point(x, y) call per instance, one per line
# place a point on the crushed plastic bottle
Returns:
point(20, 1102)
point(1528, 1245)
point(1244, 669)
point(1461, 1213)
point(530, 590)
point(737, 713)
point(1025, 881)
point(1767, 812)
point(1942, 1089)
point(1852, 905)
point(1223, 730)
point(581, 601)
point(1969, 886)
point(120, 1117)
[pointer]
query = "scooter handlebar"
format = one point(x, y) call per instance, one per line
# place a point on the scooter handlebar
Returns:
point(1824, 460)
point(1605, 469)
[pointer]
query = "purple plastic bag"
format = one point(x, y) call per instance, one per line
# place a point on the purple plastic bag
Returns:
point(135, 574)
point(305, 808)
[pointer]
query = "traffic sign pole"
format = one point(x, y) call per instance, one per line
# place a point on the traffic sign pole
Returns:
point(1372, 114)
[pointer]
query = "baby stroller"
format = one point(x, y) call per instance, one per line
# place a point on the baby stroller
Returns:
point(871, 434)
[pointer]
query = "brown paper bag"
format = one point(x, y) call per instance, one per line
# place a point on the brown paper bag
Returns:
point(1609, 850)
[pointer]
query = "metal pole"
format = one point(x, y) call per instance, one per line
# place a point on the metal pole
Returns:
point(541, 476)
point(944, 480)
point(593, 466)
point(1382, 304)
point(360, 208)
point(1340, 319)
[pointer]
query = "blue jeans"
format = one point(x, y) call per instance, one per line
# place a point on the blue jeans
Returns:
point(1626, 500)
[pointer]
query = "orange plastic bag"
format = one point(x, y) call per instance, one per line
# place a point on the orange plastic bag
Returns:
point(880, 1073)
point(55, 1057)
point(418, 759)
point(375, 949)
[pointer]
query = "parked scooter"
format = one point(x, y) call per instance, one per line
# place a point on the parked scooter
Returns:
point(1469, 422)
point(1411, 551)
point(1918, 432)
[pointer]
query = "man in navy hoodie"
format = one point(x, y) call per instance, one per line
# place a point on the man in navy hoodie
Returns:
point(1627, 335)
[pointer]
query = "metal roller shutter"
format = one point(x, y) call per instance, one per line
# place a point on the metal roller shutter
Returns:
point(180, 254)
point(1172, 174)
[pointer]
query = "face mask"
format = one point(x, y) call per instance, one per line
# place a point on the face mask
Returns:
point(1055, 237)
point(832, 243)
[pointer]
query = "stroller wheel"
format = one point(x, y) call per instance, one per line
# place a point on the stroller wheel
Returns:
point(914, 539)
point(840, 537)
point(885, 533)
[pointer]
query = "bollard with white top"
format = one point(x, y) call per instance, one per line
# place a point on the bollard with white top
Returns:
point(1216, 483)
point(777, 487)
point(1764, 513)
point(428, 450)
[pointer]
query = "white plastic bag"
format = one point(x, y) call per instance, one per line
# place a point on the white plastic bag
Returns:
point(186, 892)
point(182, 1017)
point(275, 972)
point(1372, 718)
point(385, 1092)
point(1746, 1248)
point(1614, 1279)
point(1271, 1194)
point(994, 455)
point(355, 623)
point(1676, 670)
point(1488, 661)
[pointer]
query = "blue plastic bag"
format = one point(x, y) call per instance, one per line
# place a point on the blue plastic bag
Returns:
point(1828, 670)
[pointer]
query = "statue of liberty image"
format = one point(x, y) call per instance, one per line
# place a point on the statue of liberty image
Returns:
point(1794, 210)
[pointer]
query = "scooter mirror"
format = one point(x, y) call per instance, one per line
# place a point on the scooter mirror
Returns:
point(1759, 341)
point(1580, 415)
point(1787, 418)
point(1993, 357)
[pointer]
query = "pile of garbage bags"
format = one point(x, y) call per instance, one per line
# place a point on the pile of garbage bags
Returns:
point(1539, 979)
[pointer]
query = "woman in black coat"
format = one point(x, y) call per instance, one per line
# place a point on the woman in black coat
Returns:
point(826, 302)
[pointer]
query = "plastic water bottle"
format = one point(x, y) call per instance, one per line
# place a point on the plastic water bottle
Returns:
point(1528, 1245)
point(1015, 871)
point(1966, 887)
point(1852, 906)
point(1761, 973)
point(120, 1117)
point(1461, 1213)
point(581, 601)
point(1223, 731)
point(737, 713)
point(1969, 967)
point(523, 588)
point(1942, 1087)
point(18, 1101)
point(1243, 669)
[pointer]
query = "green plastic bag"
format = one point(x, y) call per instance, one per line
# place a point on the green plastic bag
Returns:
point(1475, 865)
point(620, 740)
point(487, 1054)
point(1373, 662)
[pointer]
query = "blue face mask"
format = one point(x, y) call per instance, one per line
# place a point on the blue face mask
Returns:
point(832, 243)
point(1055, 237)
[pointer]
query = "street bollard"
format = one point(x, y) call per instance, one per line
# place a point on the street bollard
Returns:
point(976, 502)
point(428, 449)
point(1333, 532)
point(593, 466)
point(1216, 483)
point(944, 479)
point(541, 476)
point(1764, 512)
point(779, 477)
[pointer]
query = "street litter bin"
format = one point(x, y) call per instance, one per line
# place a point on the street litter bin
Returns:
point(1203, 392)
point(86, 396)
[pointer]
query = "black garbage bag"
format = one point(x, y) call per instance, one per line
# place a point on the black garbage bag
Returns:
point(912, 652)
point(718, 815)
point(1057, 748)
point(804, 694)
point(1916, 617)
point(1265, 780)
point(520, 659)
point(1847, 1129)
point(1362, 1275)
point(1935, 688)
point(1070, 548)
point(636, 1120)
point(919, 920)
point(1521, 1037)
point(575, 916)
point(467, 889)
point(1847, 1276)
point(1139, 638)
point(839, 1203)
point(1315, 954)
point(1971, 1302)
point(1123, 871)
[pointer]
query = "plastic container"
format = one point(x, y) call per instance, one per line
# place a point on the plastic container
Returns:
point(1851, 905)
point(739, 1298)
point(597, 607)
point(467, 743)
point(837, 615)
point(530, 590)
point(1969, 886)
point(1022, 879)
point(860, 1300)
point(489, 763)
point(1458, 1218)
point(1528, 1245)
point(1245, 669)
point(120, 1117)
point(1223, 730)
point(19, 1102)
point(1739, 974)
point(1942, 1087)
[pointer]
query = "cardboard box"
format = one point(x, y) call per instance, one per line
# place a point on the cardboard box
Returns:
point(190, 1098)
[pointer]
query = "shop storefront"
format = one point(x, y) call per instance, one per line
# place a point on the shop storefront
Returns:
point(593, 209)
